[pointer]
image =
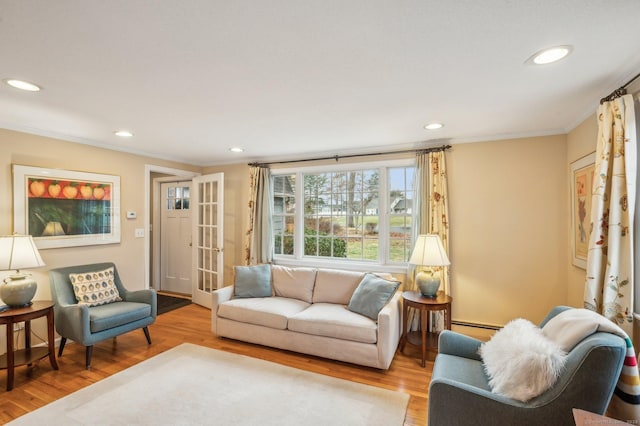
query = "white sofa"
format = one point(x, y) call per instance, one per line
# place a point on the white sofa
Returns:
point(307, 312)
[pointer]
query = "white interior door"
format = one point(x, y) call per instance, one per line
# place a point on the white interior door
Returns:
point(208, 257)
point(175, 237)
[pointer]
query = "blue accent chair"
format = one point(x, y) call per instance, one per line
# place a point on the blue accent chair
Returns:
point(459, 392)
point(88, 325)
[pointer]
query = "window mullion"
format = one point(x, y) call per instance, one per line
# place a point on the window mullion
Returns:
point(298, 246)
point(383, 216)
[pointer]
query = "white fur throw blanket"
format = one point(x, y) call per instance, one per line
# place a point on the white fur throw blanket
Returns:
point(571, 326)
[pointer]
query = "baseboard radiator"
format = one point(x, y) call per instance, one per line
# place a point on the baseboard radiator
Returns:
point(476, 325)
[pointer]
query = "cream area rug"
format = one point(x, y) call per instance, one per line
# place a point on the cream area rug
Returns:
point(194, 385)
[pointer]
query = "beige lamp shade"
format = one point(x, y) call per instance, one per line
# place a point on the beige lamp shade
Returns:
point(428, 251)
point(18, 252)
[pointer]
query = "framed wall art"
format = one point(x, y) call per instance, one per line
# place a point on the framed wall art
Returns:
point(582, 172)
point(64, 208)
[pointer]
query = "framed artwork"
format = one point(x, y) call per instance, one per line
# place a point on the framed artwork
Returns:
point(582, 172)
point(64, 208)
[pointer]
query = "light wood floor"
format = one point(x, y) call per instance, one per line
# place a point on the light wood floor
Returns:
point(40, 385)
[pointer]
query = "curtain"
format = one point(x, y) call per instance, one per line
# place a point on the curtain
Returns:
point(609, 284)
point(431, 216)
point(609, 281)
point(258, 246)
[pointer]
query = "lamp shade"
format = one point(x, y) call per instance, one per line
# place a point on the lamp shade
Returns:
point(429, 251)
point(19, 252)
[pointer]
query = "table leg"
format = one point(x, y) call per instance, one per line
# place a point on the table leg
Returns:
point(424, 320)
point(10, 356)
point(448, 316)
point(51, 336)
point(405, 314)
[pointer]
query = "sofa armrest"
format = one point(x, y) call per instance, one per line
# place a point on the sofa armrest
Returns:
point(389, 330)
point(218, 297)
point(147, 296)
point(452, 343)
point(72, 321)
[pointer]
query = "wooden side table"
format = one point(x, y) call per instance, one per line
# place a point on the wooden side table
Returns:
point(427, 340)
point(27, 355)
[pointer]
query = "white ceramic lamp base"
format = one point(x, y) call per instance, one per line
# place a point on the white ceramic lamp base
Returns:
point(428, 284)
point(18, 290)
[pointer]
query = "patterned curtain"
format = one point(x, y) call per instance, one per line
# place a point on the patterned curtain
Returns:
point(431, 215)
point(258, 245)
point(609, 281)
point(439, 207)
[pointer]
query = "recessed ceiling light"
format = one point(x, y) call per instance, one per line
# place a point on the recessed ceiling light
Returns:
point(236, 149)
point(434, 126)
point(123, 133)
point(552, 54)
point(22, 85)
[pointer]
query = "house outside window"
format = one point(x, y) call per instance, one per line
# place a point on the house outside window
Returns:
point(355, 214)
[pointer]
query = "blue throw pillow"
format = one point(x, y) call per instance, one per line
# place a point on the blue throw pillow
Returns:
point(252, 281)
point(371, 295)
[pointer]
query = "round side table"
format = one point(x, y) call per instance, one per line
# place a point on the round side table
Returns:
point(423, 338)
point(27, 355)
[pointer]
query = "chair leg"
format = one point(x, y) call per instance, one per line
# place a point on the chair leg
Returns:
point(147, 335)
point(63, 340)
point(88, 356)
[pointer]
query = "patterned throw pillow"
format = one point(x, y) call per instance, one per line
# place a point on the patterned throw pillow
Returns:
point(95, 288)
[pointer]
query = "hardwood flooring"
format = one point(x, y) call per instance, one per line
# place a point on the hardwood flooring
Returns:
point(39, 385)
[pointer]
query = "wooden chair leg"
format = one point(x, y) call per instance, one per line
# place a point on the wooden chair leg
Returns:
point(63, 340)
point(147, 335)
point(88, 356)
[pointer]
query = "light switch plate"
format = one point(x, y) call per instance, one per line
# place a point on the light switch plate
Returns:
point(139, 232)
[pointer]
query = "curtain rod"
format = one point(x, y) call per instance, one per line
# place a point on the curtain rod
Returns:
point(338, 157)
point(621, 91)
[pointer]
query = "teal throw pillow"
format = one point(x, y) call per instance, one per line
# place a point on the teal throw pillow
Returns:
point(371, 295)
point(252, 281)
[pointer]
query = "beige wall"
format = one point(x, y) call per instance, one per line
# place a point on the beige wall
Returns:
point(509, 215)
point(26, 149)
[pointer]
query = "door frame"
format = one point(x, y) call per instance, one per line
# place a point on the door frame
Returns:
point(148, 190)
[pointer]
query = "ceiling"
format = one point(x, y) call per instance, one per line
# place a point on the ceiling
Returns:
point(293, 79)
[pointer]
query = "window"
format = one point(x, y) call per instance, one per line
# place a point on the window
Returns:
point(355, 212)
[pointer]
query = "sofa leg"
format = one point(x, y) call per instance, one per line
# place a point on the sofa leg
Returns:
point(63, 340)
point(88, 356)
point(147, 335)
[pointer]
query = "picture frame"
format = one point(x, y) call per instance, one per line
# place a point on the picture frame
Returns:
point(65, 208)
point(582, 173)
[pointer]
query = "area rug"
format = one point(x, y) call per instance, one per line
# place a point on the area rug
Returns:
point(169, 303)
point(194, 385)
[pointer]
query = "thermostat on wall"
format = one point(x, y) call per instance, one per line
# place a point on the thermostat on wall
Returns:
point(131, 215)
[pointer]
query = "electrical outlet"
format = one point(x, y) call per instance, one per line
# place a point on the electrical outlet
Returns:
point(18, 326)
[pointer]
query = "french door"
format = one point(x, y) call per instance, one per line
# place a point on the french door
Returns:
point(207, 200)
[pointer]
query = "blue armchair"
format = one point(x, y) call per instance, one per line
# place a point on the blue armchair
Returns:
point(459, 392)
point(88, 325)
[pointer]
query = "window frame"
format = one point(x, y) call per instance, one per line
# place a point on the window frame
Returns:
point(382, 264)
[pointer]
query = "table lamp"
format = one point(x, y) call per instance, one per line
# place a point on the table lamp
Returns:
point(428, 251)
point(18, 252)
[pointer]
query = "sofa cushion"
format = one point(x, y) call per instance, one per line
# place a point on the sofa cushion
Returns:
point(335, 286)
point(252, 281)
point(371, 295)
point(272, 312)
point(296, 283)
point(332, 320)
point(112, 315)
point(95, 288)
